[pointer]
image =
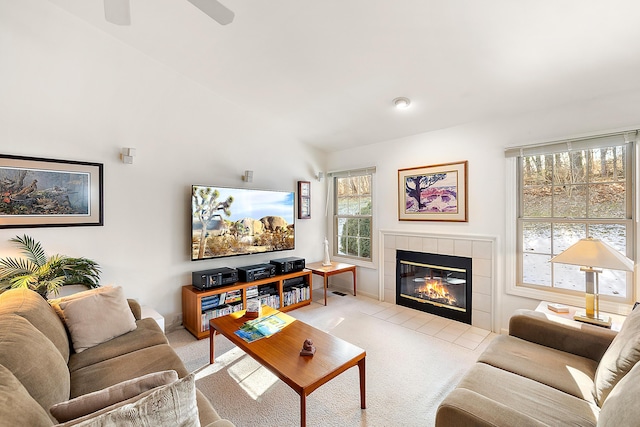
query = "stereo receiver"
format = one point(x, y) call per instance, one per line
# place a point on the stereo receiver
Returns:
point(207, 279)
point(251, 273)
point(288, 265)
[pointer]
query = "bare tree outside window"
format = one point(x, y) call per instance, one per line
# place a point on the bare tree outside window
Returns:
point(566, 196)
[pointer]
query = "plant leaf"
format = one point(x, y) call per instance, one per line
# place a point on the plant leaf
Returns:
point(45, 275)
point(27, 281)
point(12, 266)
point(81, 271)
point(31, 249)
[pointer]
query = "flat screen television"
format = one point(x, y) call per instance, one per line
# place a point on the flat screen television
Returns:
point(239, 221)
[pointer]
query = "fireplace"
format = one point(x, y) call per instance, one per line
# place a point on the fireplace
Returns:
point(434, 283)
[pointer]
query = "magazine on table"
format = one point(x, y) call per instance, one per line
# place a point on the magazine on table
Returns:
point(263, 327)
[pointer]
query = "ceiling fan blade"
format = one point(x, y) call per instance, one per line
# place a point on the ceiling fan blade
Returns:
point(117, 12)
point(215, 10)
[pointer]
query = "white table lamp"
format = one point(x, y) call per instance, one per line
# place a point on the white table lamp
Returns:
point(592, 255)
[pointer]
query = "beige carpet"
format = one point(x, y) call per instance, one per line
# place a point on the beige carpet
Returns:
point(413, 361)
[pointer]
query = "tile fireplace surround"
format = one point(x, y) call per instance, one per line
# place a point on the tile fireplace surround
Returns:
point(481, 249)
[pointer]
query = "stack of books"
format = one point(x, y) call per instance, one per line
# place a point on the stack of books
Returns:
point(558, 308)
point(295, 294)
point(210, 302)
point(233, 296)
point(269, 295)
point(252, 291)
point(263, 327)
point(221, 310)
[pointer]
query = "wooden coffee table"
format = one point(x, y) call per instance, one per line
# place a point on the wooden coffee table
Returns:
point(280, 353)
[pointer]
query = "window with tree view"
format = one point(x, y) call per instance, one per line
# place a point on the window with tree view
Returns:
point(568, 192)
point(353, 215)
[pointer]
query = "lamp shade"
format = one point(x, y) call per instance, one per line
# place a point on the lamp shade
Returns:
point(594, 253)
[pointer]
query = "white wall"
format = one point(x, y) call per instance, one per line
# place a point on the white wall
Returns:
point(69, 91)
point(482, 144)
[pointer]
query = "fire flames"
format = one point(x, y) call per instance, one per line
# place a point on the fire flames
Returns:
point(434, 290)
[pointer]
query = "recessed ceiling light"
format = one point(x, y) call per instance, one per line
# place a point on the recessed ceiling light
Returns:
point(402, 102)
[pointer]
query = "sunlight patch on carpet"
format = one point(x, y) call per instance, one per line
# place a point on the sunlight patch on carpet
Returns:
point(335, 322)
point(222, 361)
point(253, 378)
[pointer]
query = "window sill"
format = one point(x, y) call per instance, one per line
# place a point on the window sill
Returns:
point(356, 262)
point(558, 297)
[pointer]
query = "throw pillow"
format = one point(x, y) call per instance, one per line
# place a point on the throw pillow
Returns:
point(18, 407)
point(55, 303)
point(33, 360)
point(170, 405)
point(622, 407)
point(92, 402)
point(97, 317)
point(620, 357)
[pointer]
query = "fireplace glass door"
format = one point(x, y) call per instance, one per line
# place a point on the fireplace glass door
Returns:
point(438, 284)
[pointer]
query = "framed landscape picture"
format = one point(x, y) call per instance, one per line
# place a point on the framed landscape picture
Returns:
point(36, 192)
point(433, 193)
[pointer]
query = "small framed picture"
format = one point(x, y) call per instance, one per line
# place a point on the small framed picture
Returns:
point(304, 199)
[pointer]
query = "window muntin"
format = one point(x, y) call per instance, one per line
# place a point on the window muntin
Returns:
point(353, 215)
point(568, 195)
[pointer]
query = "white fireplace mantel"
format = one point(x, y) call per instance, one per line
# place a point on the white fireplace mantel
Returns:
point(481, 249)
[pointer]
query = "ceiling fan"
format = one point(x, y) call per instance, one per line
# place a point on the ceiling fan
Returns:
point(118, 11)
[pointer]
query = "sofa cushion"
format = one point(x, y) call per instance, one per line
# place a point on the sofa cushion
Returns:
point(620, 357)
point(517, 401)
point(30, 305)
point(577, 338)
point(558, 369)
point(99, 315)
point(146, 334)
point(170, 405)
point(34, 360)
point(97, 400)
point(621, 407)
point(206, 412)
point(18, 408)
point(131, 365)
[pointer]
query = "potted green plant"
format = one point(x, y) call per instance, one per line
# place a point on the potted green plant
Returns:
point(43, 274)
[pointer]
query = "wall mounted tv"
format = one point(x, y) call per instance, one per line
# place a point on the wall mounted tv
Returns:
point(239, 221)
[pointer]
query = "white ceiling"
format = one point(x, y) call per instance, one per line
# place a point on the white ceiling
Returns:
point(326, 71)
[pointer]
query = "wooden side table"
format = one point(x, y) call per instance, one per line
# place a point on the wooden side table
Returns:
point(330, 270)
point(616, 319)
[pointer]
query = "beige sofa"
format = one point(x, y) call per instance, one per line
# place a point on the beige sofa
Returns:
point(39, 367)
point(550, 373)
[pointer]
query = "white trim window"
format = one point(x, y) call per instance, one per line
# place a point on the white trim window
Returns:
point(353, 214)
point(567, 191)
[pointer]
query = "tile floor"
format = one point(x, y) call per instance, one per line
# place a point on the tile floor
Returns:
point(448, 330)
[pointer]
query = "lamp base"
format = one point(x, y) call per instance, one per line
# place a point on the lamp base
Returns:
point(602, 320)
